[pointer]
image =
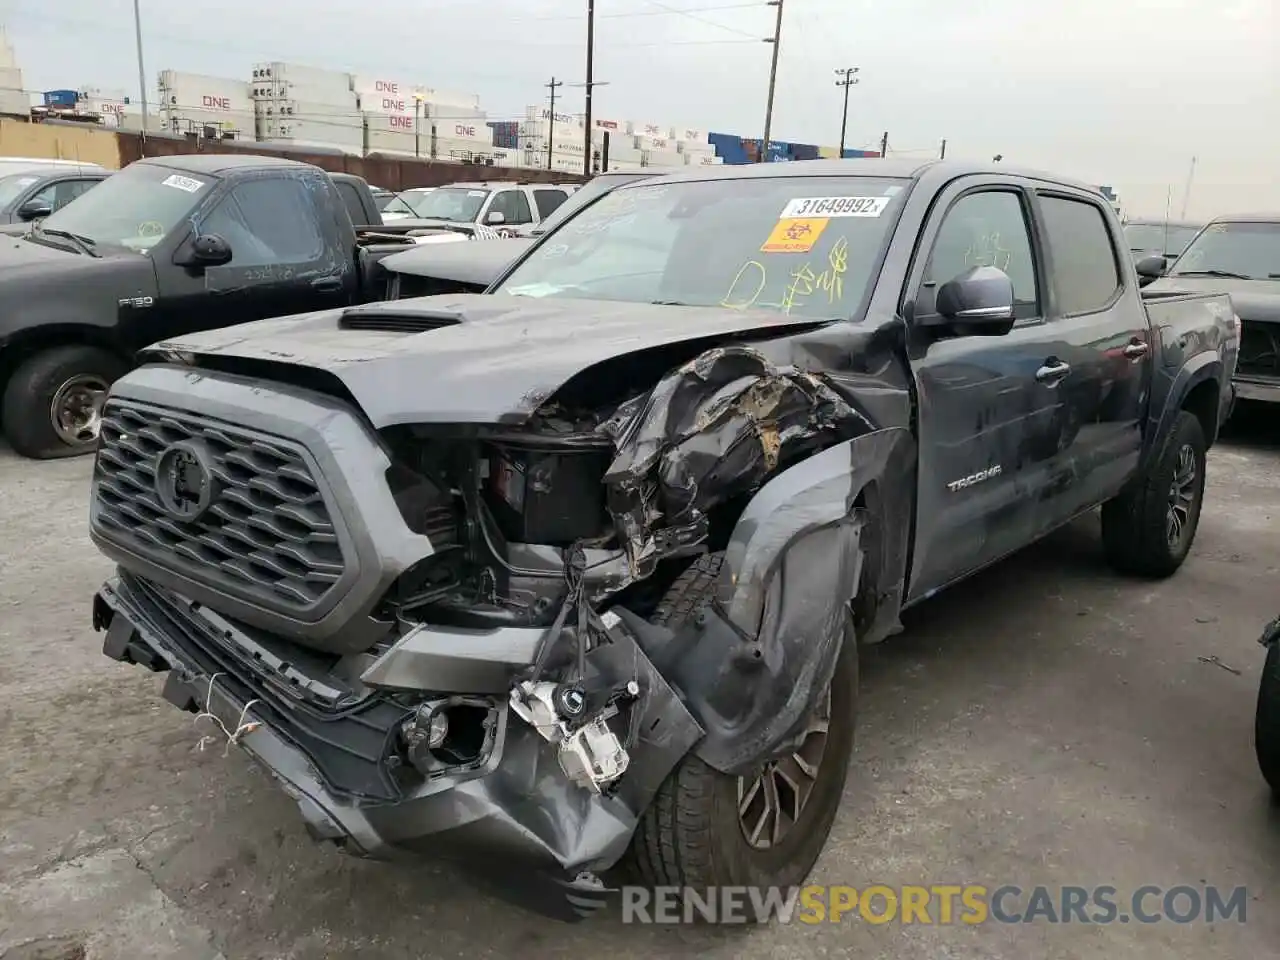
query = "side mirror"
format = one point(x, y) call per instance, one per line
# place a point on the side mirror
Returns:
point(1151, 268)
point(34, 210)
point(495, 217)
point(980, 297)
point(205, 250)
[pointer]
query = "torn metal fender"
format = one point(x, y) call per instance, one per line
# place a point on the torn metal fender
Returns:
point(752, 667)
point(1270, 633)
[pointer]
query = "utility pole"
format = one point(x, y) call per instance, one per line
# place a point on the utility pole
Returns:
point(591, 50)
point(142, 73)
point(848, 77)
point(884, 144)
point(551, 119)
point(776, 40)
point(942, 152)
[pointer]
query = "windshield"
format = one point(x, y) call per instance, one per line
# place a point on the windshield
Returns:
point(805, 246)
point(580, 198)
point(458, 204)
point(398, 204)
point(13, 186)
point(1171, 240)
point(1249, 250)
point(137, 207)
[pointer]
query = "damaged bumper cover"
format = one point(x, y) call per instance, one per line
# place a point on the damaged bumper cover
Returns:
point(513, 807)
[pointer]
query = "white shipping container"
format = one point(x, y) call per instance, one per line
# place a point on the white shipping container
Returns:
point(446, 149)
point(464, 131)
point(398, 124)
point(384, 95)
point(393, 141)
point(614, 127)
point(195, 92)
point(104, 108)
point(16, 102)
point(661, 144)
point(688, 135)
point(543, 129)
point(558, 145)
point(343, 99)
point(649, 130)
point(543, 113)
point(335, 82)
point(694, 149)
point(663, 158)
point(99, 93)
point(704, 159)
point(567, 163)
point(308, 111)
point(294, 143)
point(465, 101)
point(184, 121)
point(625, 155)
point(10, 78)
point(349, 134)
point(446, 111)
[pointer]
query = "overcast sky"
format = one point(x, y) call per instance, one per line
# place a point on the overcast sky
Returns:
point(1123, 92)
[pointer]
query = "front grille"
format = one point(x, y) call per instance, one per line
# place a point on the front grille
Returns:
point(266, 536)
point(1259, 349)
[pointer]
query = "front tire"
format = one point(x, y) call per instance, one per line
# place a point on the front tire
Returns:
point(52, 405)
point(1148, 530)
point(1266, 730)
point(707, 829)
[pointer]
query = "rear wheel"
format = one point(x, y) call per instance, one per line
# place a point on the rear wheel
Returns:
point(1266, 731)
point(52, 405)
point(706, 829)
point(1148, 530)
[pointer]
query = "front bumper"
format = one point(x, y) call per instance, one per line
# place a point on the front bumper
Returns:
point(1264, 389)
point(515, 820)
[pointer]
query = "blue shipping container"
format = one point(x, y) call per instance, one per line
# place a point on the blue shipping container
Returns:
point(804, 151)
point(60, 98)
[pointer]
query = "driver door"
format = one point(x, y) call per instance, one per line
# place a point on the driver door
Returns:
point(284, 259)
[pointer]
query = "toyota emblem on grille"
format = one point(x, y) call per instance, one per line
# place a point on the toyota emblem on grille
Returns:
point(185, 481)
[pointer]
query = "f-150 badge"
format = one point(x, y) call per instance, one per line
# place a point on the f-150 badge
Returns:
point(136, 301)
point(973, 478)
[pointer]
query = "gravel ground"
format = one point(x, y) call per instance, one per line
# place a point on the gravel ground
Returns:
point(1045, 723)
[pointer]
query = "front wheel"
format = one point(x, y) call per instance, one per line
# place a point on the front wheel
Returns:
point(706, 829)
point(52, 404)
point(1148, 530)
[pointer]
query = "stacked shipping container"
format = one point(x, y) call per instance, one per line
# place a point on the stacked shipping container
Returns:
point(214, 107)
point(306, 107)
point(13, 96)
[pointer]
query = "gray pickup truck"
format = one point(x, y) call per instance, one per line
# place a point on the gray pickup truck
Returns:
point(568, 580)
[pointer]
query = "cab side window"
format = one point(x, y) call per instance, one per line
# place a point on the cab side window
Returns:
point(987, 229)
point(513, 206)
point(1085, 261)
point(268, 221)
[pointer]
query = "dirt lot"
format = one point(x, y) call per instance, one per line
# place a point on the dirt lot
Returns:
point(1046, 723)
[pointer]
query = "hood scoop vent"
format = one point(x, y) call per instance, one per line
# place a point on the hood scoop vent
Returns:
point(400, 320)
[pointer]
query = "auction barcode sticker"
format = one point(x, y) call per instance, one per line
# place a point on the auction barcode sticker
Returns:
point(834, 207)
point(188, 184)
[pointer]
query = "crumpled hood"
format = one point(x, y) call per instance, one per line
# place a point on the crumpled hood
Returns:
point(493, 359)
point(478, 261)
point(1255, 300)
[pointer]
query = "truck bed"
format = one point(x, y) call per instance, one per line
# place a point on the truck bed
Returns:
point(1186, 324)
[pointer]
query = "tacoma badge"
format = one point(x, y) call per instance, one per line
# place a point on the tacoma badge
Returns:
point(973, 478)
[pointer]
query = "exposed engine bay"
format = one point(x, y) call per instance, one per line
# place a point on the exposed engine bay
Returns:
point(551, 525)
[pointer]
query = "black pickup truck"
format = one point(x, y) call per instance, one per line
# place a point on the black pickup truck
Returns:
point(165, 247)
point(568, 580)
point(1239, 255)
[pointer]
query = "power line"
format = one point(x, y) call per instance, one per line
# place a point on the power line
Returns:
point(693, 15)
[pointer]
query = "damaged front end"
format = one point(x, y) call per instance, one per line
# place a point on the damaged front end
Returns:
point(439, 638)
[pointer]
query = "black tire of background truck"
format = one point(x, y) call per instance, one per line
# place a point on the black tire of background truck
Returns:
point(1266, 727)
point(1134, 523)
point(29, 395)
point(690, 836)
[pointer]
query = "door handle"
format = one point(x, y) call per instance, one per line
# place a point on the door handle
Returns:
point(1053, 371)
point(326, 285)
point(1137, 349)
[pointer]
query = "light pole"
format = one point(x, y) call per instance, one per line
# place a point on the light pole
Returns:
point(848, 77)
point(587, 119)
point(142, 73)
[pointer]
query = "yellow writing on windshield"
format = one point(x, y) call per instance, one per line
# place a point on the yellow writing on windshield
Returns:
point(748, 284)
point(805, 281)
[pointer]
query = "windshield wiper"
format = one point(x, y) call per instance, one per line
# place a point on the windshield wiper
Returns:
point(84, 243)
point(1225, 274)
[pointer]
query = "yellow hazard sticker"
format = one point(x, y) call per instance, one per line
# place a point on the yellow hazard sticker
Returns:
point(795, 235)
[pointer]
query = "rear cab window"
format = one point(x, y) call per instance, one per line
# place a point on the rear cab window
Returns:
point(1086, 264)
point(352, 201)
point(547, 201)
